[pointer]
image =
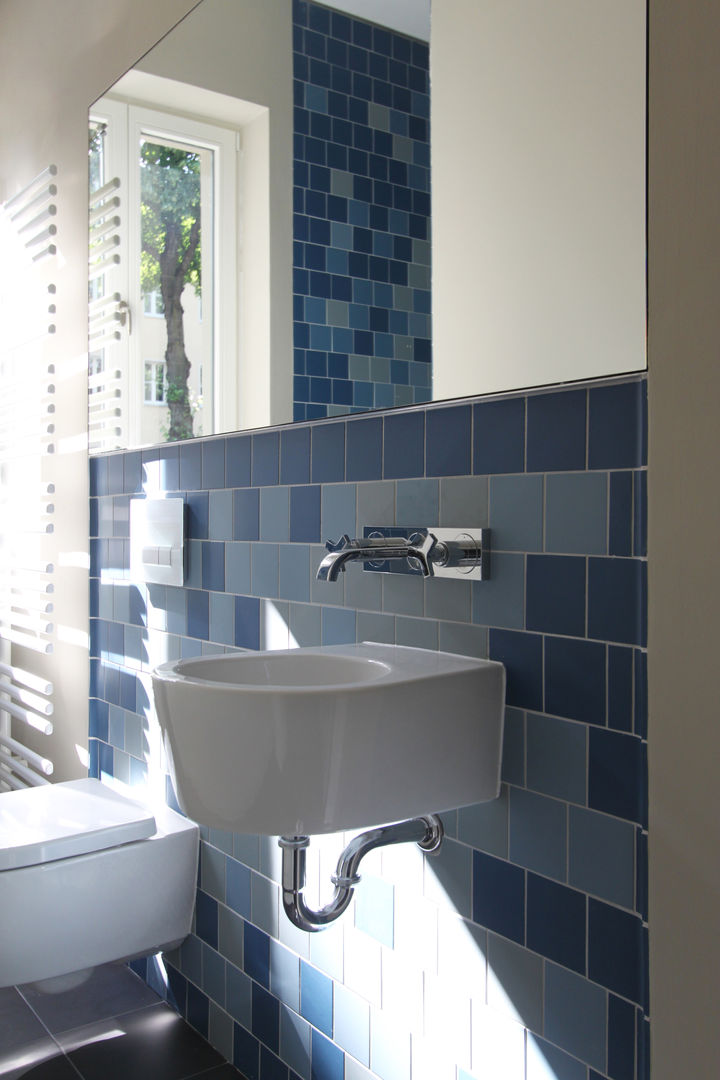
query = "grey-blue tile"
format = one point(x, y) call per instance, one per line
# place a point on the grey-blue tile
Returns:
point(463, 502)
point(294, 570)
point(448, 598)
point(284, 975)
point(448, 877)
point(375, 503)
point(264, 900)
point(417, 633)
point(513, 757)
point(485, 825)
point(265, 569)
point(363, 589)
point(576, 513)
point(500, 599)
point(337, 511)
point(213, 984)
point(538, 833)
point(338, 626)
point(274, 624)
point(557, 757)
point(220, 515)
point(222, 618)
point(193, 564)
point(238, 995)
point(176, 600)
point(463, 639)
point(375, 627)
point(515, 981)
point(417, 502)
point(516, 513)
point(402, 594)
point(351, 1028)
point(295, 1042)
point(212, 871)
point(575, 1015)
point(237, 568)
point(602, 856)
point(275, 514)
point(246, 848)
point(305, 625)
point(230, 935)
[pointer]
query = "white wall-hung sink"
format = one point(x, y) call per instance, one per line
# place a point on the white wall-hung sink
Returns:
point(316, 740)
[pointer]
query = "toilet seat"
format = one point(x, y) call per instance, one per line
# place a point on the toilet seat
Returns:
point(56, 821)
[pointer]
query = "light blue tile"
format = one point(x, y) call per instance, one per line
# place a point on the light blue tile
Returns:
point(446, 598)
point(371, 627)
point(463, 639)
point(352, 1024)
point(265, 569)
point(374, 909)
point(337, 511)
point(463, 501)
point(275, 514)
point(116, 727)
point(516, 513)
point(500, 600)
point(575, 1015)
point(274, 622)
point(121, 603)
point(557, 757)
point(295, 1042)
point(220, 515)
point(294, 582)
point(212, 871)
point(237, 568)
point(338, 626)
point(305, 625)
point(389, 1048)
point(193, 564)
point(246, 848)
point(135, 741)
point(515, 981)
point(375, 503)
point(602, 856)
point(448, 877)
point(238, 996)
point(402, 594)
point(176, 600)
point(222, 618)
point(213, 983)
point(576, 513)
point(362, 588)
point(285, 975)
point(538, 833)
point(417, 502)
point(417, 633)
point(264, 901)
point(485, 825)
point(230, 935)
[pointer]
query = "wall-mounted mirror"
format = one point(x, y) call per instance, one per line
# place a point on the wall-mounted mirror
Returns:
point(260, 211)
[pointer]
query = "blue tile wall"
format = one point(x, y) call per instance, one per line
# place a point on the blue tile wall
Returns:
point(361, 253)
point(525, 942)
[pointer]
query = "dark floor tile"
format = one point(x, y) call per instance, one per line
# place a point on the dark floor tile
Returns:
point(37, 1064)
point(19, 1027)
point(151, 1044)
point(222, 1072)
point(111, 990)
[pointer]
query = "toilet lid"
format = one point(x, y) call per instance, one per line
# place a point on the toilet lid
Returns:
point(55, 821)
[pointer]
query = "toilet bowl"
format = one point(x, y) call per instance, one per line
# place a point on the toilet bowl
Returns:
point(88, 876)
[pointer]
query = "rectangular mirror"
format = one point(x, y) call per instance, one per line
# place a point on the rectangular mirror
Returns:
point(294, 268)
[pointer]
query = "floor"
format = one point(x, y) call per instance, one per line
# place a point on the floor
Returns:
point(113, 1027)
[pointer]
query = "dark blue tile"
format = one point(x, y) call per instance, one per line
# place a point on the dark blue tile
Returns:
point(363, 455)
point(206, 918)
point(522, 655)
point(246, 1053)
point(404, 445)
point(295, 455)
point(620, 688)
point(555, 594)
point(499, 896)
point(247, 622)
point(617, 600)
point(98, 727)
point(641, 875)
point(621, 514)
point(641, 694)
point(448, 441)
point(328, 453)
point(237, 887)
point(198, 614)
point(643, 1047)
point(316, 998)
point(191, 466)
point(196, 515)
point(556, 1063)
point(132, 472)
point(99, 476)
point(115, 474)
point(198, 1009)
point(617, 775)
point(265, 1017)
point(616, 950)
point(640, 514)
point(499, 436)
point(213, 463)
point(556, 431)
point(575, 679)
point(305, 514)
point(556, 922)
point(213, 566)
point(256, 945)
point(618, 423)
point(265, 458)
point(271, 1067)
point(246, 514)
point(327, 1059)
point(621, 1039)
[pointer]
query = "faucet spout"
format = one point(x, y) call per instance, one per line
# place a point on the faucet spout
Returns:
point(375, 549)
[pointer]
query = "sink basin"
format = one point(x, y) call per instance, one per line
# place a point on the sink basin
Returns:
point(315, 740)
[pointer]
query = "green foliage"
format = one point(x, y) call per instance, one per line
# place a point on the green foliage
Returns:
point(170, 207)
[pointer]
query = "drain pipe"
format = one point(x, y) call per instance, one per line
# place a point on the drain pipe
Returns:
point(426, 832)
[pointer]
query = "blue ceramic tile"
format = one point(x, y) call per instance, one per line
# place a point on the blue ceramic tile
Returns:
point(556, 922)
point(641, 875)
point(374, 909)
point(256, 947)
point(328, 1061)
point(621, 1039)
point(264, 568)
point(338, 626)
point(352, 1024)
point(620, 688)
point(246, 514)
point(213, 463)
point(621, 514)
point(328, 453)
point(285, 975)
point(222, 618)
point(265, 1017)
point(132, 472)
point(246, 1053)
point(557, 757)
point(198, 1009)
point(316, 998)
point(615, 950)
point(576, 513)
point(545, 1060)
point(363, 453)
point(271, 1067)
point(641, 694)
point(448, 441)
point(247, 622)
point(265, 458)
point(116, 475)
point(220, 515)
point(556, 431)
point(513, 756)
point(499, 896)
point(640, 514)
point(417, 502)
point(516, 513)
point(555, 601)
point(191, 466)
point(538, 837)
point(305, 514)
point(602, 856)
point(197, 515)
point(617, 775)
point(198, 614)
point(99, 476)
point(522, 655)
point(295, 1043)
point(295, 455)
point(617, 600)
point(275, 514)
point(618, 420)
point(338, 510)
point(213, 565)
point(294, 583)
point(499, 436)
point(206, 918)
point(575, 1015)
point(238, 458)
point(575, 679)
point(237, 568)
point(404, 445)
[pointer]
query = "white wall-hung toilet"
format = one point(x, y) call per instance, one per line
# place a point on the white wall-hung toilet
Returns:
point(88, 876)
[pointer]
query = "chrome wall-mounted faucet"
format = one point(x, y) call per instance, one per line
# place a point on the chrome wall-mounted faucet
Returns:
point(436, 553)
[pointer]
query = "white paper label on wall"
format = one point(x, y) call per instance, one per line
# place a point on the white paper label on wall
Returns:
point(156, 540)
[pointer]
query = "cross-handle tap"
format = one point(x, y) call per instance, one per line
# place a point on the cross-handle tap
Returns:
point(377, 549)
